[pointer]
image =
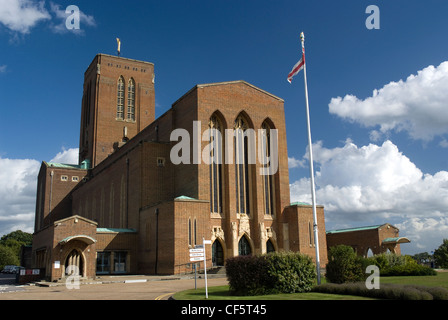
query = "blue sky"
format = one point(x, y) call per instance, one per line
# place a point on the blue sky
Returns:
point(379, 157)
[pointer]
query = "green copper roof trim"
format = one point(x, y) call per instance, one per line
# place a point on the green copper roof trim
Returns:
point(83, 166)
point(63, 165)
point(298, 203)
point(115, 230)
point(354, 229)
point(185, 198)
point(82, 237)
point(397, 240)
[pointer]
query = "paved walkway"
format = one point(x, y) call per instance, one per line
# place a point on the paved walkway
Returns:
point(113, 288)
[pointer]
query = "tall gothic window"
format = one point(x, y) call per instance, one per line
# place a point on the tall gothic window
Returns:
point(242, 174)
point(120, 98)
point(216, 156)
point(131, 100)
point(190, 239)
point(268, 179)
point(192, 232)
point(244, 248)
point(269, 246)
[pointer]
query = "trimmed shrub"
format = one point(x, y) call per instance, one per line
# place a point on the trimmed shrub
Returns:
point(408, 269)
point(284, 272)
point(247, 275)
point(290, 272)
point(400, 266)
point(438, 293)
point(385, 260)
point(344, 265)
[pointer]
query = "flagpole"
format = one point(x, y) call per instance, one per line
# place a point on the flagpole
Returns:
point(310, 144)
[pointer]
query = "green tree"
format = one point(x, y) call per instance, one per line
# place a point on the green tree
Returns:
point(441, 255)
point(11, 244)
point(422, 258)
point(20, 236)
point(8, 257)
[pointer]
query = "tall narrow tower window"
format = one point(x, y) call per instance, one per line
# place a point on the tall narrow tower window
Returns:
point(120, 98)
point(242, 170)
point(216, 154)
point(268, 180)
point(131, 100)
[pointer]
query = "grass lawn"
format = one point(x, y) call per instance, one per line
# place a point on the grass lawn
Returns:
point(222, 292)
point(441, 280)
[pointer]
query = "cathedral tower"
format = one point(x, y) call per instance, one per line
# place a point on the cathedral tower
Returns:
point(118, 102)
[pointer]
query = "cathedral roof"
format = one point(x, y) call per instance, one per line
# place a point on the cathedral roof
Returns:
point(206, 85)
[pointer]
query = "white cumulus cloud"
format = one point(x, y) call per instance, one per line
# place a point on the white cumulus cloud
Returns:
point(61, 17)
point(22, 15)
point(416, 105)
point(18, 183)
point(18, 187)
point(295, 163)
point(69, 156)
point(376, 184)
point(425, 232)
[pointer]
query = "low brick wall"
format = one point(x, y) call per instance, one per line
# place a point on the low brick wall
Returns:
point(30, 275)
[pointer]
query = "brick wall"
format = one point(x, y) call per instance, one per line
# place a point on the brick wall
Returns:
point(156, 174)
point(191, 220)
point(54, 186)
point(112, 191)
point(300, 222)
point(156, 239)
point(115, 241)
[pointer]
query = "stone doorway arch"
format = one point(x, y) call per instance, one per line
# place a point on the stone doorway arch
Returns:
point(74, 264)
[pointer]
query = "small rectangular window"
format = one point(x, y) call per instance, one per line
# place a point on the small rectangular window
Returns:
point(64, 178)
point(160, 162)
point(75, 179)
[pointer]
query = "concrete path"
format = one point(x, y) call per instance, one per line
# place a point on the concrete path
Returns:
point(112, 288)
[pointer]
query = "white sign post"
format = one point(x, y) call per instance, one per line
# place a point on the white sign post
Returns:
point(198, 254)
point(204, 242)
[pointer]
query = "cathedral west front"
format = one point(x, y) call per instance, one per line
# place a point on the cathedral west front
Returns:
point(147, 190)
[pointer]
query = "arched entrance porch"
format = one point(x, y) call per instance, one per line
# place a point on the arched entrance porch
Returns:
point(74, 251)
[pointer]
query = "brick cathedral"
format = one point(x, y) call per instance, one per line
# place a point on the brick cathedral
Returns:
point(126, 208)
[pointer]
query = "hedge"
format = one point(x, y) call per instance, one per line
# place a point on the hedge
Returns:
point(284, 272)
point(407, 270)
point(344, 265)
point(393, 265)
point(386, 291)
